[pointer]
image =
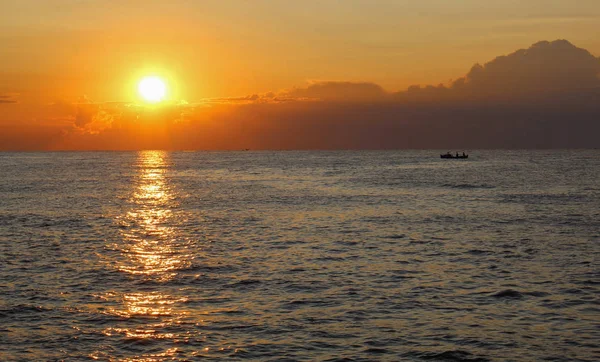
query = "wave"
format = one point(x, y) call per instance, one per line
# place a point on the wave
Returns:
point(455, 355)
point(22, 309)
point(515, 294)
point(469, 186)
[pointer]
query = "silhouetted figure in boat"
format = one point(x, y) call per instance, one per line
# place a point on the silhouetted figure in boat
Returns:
point(452, 155)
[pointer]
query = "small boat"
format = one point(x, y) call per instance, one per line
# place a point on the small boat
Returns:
point(449, 155)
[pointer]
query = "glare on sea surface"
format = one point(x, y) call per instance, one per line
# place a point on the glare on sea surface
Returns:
point(151, 241)
point(151, 250)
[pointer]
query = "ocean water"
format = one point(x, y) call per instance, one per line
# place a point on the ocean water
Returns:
point(300, 256)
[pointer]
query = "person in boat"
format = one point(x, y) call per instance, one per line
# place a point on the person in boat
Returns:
point(464, 154)
point(456, 154)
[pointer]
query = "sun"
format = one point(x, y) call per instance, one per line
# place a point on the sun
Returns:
point(152, 89)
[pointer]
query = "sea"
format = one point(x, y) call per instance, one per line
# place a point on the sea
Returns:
point(300, 256)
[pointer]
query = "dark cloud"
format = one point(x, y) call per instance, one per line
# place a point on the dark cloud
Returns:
point(353, 125)
point(542, 97)
point(328, 91)
point(339, 91)
point(543, 69)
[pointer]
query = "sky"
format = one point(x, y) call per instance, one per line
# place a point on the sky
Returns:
point(285, 74)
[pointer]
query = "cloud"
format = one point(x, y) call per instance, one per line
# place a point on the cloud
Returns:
point(8, 98)
point(254, 98)
point(269, 97)
point(543, 69)
point(95, 117)
point(542, 97)
point(363, 125)
point(339, 91)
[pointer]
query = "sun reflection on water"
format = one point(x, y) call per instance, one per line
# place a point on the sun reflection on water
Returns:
point(151, 251)
point(150, 240)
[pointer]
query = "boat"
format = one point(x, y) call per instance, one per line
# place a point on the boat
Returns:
point(449, 155)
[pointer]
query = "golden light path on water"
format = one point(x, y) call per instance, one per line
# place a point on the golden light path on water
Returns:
point(151, 252)
point(152, 245)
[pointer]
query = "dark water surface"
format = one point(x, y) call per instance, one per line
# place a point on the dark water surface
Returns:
point(354, 256)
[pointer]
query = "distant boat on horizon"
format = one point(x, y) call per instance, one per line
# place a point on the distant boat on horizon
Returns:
point(449, 155)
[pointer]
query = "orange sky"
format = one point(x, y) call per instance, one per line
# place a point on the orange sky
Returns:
point(57, 54)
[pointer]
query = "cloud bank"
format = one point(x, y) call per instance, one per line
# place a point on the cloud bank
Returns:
point(546, 96)
point(540, 71)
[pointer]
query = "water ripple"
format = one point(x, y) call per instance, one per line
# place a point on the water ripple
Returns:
point(330, 256)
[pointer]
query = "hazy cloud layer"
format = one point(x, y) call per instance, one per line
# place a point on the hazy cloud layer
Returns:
point(545, 96)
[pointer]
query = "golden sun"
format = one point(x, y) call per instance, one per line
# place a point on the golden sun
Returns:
point(152, 89)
